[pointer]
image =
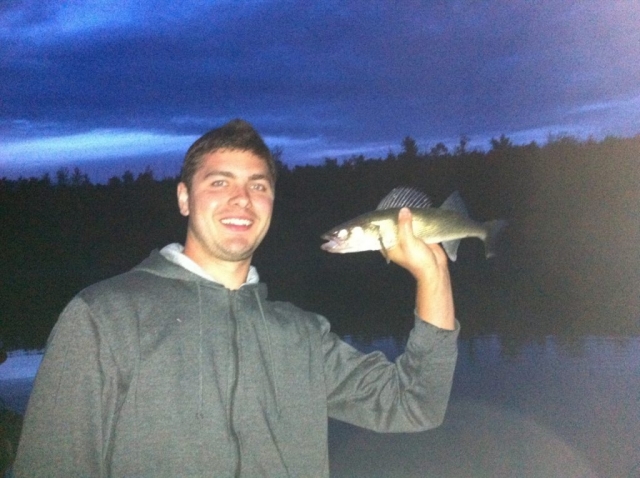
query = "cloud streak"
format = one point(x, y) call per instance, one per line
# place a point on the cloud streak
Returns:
point(97, 144)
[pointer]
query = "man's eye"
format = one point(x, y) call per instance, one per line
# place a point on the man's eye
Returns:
point(218, 183)
point(259, 187)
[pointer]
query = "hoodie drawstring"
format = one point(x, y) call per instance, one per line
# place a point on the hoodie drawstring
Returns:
point(272, 363)
point(199, 414)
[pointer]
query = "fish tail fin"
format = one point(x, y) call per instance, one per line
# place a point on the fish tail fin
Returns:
point(451, 248)
point(494, 228)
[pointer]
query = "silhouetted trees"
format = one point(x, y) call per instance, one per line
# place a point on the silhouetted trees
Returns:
point(409, 148)
point(569, 261)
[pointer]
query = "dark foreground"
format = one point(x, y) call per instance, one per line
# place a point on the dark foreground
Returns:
point(549, 408)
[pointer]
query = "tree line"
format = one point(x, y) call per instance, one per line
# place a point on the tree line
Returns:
point(568, 263)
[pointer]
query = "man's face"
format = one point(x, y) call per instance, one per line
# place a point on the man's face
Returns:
point(229, 207)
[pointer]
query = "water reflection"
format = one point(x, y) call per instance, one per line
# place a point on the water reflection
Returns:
point(549, 406)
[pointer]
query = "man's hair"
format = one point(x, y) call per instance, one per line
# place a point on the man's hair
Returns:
point(236, 135)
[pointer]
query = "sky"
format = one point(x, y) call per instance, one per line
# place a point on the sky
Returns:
point(116, 85)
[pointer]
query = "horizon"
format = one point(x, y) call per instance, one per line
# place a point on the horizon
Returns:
point(103, 171)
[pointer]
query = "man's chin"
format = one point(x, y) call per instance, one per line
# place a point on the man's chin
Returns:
point(238, 252)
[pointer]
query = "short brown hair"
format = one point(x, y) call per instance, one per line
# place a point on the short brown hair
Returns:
point(236, 135)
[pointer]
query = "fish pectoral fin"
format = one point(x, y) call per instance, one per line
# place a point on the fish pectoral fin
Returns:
point(383, 248)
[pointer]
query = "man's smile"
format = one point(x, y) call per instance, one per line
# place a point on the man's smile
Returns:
point(237, 221)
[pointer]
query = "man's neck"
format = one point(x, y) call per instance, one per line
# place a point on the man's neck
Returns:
point(231, 274)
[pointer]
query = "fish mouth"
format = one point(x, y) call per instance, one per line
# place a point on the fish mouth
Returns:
point(328, 246)
point(331, 244)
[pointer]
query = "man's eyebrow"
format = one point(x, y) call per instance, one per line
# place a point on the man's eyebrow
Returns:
point(217, 172)
point(259, 177)
point(229, 174)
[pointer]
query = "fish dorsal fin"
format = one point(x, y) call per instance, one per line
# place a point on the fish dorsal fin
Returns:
point(455, 203)
point(405, 197)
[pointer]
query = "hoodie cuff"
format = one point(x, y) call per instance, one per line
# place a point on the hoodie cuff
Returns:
point(418, 322)
point(426, 336)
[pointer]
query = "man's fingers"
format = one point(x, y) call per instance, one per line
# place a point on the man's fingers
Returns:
point(405, 223)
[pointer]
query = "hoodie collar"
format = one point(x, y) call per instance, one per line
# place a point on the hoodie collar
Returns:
point(175, 253)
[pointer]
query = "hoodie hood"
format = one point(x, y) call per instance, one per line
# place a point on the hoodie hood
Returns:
point(172, 263)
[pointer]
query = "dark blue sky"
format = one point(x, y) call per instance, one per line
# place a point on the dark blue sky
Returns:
point(108, 85)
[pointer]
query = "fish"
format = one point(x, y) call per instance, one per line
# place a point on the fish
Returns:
point(377, 230)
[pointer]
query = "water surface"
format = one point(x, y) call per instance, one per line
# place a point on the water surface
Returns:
point(545, 407)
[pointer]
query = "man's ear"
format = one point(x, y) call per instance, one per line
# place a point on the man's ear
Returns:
point(183, 198)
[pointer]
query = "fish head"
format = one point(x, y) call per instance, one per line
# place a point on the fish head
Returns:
point(350, 238)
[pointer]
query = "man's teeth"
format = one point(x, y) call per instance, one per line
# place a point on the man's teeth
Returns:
point(237, 222)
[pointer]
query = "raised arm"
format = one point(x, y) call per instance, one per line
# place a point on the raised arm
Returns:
point(428, 265)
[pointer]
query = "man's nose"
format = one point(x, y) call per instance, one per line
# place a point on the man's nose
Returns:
point(240, 197)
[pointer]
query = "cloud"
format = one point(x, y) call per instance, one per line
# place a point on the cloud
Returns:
point(97, 144)
point(328, 77)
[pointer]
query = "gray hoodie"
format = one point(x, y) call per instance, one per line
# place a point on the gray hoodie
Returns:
point(162, 372)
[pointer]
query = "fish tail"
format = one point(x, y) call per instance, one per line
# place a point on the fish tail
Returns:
point(493, 228)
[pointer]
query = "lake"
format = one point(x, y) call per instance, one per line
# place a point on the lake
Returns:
point(544, 407)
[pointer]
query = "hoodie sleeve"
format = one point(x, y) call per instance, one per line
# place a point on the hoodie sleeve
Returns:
point(64, 431)
point(408, 395)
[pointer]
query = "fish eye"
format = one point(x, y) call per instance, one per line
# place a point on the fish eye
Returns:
point(342, 233)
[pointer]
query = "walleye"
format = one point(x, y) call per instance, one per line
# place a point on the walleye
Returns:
point(378, 229)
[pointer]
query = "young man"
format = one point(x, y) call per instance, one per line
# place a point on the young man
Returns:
point(182, 367)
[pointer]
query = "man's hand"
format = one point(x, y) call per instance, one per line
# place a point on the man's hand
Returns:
point(420, 259)
point(428, 263)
